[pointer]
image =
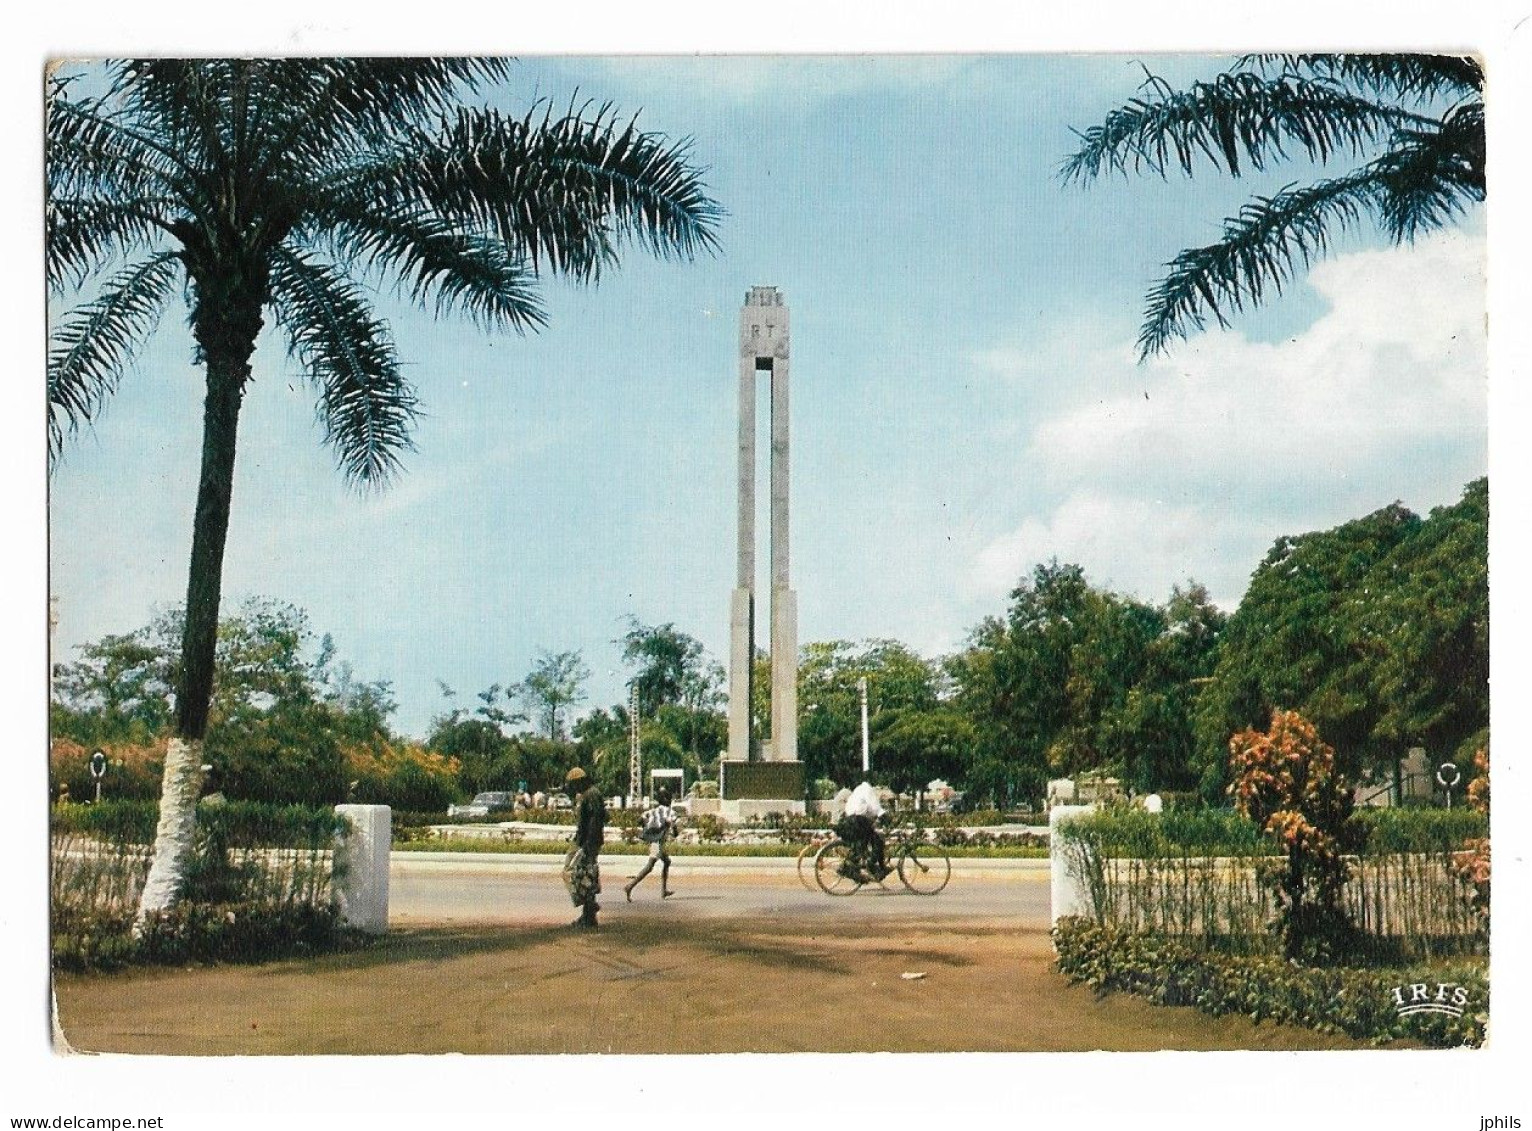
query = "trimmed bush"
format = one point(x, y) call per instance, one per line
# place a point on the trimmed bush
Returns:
point(1360, 1003)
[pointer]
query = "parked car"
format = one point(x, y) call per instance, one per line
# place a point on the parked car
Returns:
point(484, 804)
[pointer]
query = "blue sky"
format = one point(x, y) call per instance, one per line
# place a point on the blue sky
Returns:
point(966, 401)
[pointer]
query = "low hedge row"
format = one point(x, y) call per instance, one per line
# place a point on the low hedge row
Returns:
point(258, 885)
point(1129, 833)
point(237, 824)
point(1358, 1002)
point(200, 932)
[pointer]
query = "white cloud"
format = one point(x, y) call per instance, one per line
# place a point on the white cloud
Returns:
point(1195, 462)
point(1397, 364)
point(1129, 545)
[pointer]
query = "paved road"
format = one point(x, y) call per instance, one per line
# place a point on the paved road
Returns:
point(509, 890)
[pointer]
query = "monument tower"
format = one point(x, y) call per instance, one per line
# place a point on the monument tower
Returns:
point(764, 772)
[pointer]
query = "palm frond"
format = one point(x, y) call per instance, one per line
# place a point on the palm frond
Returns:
point(83, 236)
point(1261, 250)
point(311, 111)
point(1428, 177)
point(89, 152)
point(366, 406)
point(186, 100)
point(438, 265)
point(1237, 119)
point(91, 348)
point(560, 191)
point(1412, 76)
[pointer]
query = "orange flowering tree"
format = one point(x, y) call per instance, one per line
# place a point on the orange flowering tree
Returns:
point(1286, 781)
point(1473, 862)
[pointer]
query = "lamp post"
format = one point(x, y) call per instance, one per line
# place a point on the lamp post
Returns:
point(861, 687)
point(98, 771)
point(635, 751)
point(1447, 774)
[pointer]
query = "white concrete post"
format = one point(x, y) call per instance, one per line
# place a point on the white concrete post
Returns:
point(1069, 895)
point(361, 867)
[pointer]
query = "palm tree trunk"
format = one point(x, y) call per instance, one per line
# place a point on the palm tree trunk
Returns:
point(227, 352)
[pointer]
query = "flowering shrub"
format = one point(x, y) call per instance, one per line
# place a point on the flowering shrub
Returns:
point(1286, 781)
point(709, 826)
point(403, 775)
point(1478, 789)
point(1358, 1003)
point(1473, 863)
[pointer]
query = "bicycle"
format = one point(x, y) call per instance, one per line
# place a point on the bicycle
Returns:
point(923, 867)
point(806, 856)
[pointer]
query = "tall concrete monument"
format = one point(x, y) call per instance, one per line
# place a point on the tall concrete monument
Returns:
point(763, 772)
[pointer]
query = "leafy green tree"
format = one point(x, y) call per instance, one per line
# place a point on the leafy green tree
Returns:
point(485, 755)
point(279, 723)
point(680, 690)
point(1411, 126)
point(602, 742)
point(544, 761)
point(1148, 735)
point(913, 748)
point(257, 187)
point(1424, 619)
point(118, 691)
point(1076, 678)
point(672, 666)
point(556, 682)
point(829, 726)
point(1032, 681)
point(1377, 630)
point(290, 753)
point(1295, 643)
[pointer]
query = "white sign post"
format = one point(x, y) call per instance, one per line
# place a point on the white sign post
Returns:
point(1068, 896)
point(361, 867)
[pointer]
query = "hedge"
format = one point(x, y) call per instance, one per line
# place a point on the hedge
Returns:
point(1197, 875)
point(1354, 1001)
point(259, 885)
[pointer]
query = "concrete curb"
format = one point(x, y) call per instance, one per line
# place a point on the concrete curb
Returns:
point(425, 863)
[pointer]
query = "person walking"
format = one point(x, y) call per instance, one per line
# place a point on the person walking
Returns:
point(659, 825)
point(582, 868)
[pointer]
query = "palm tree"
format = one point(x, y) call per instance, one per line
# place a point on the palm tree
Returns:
point(1412, 125)
point(280, 188)
point(556, 681)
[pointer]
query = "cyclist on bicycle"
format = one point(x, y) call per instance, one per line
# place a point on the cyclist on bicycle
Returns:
point(859, 829)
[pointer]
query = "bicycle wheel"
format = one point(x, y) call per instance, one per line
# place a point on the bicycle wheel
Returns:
point(924, 868)
point(832, 869)
point(806, 856)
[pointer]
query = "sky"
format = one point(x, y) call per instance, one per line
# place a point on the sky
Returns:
point(966, 397)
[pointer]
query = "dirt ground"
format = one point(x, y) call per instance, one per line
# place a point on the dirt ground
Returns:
point(719, 984)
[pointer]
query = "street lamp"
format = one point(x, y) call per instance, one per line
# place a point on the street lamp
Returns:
point(1447, 774)
point(98, 771)
point(861, 687)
